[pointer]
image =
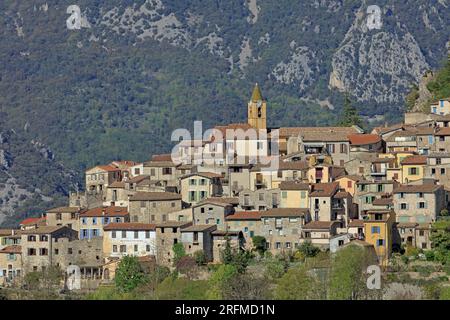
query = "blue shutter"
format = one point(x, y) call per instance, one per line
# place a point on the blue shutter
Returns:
point(426, 205)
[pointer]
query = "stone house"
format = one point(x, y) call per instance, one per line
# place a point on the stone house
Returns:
point(198, 238)
point(100, 177)
point(368, 192)
point(438, 167)
point(64, 216)
point(163, 171)
point(153, 207)
point(261, 199)
point(40, 246)
point(321, 201)
point(132, 239)
point(167, 235)
point(402, 141)
point(220, 239)
point(365, 143)
point(92, 221)
point(10, 265)
point(419, 203)
point(282, 228)
point(320, 233)
point(210, 212)
point(413, 168)
point(247, 222)
point(196, 187)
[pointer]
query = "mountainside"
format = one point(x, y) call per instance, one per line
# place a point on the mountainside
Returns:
point(130, 72)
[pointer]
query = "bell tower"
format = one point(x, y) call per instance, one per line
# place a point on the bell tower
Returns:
point(257, 109)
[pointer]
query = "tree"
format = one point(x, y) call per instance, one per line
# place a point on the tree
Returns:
point(276, 268)
point(347, 281)
point(179, 252)
point(296, 284)
point(129, 274)
point(237, 258)
point(218, 281)
point(350, 115)
point(259, 244)
point(245, 287)
point(308, 250)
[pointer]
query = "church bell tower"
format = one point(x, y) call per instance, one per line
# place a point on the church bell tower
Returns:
point(257, 109)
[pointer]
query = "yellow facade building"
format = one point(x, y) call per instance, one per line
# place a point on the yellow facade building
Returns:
point(378, 227)
point(413, 168)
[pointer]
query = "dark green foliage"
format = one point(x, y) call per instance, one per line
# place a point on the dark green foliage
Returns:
point(200, 257)
point(350, 116)
point(179, 252)
point(308, 249)
point(259, 243)
point(237, 258)
point(129, 274)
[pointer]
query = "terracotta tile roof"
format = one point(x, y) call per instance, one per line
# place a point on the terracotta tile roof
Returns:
point(413, 188)
point(293, 165)
point(111, 211)
point(319, 225)
point(443, 132)
point(107, 167)
point(160, 164)
point(342, 194)
point(245, 215)
point(230, 200)
point(285, 212)
point(208, 175)
point(130, 226)
point(383, 130)
point(117, 184)
point(356, 223)
point(123, 164)
point(295, 131)
point(293, 185)
point(220, 233)
point(64, 210)
point(363, 139)
point(155, 196)
point(414, 160)
point(351, 177)
point(28, 221)
point(212, 202)
point(323, 189)
point(162, 157)
point(382, 201)
point(6, 232)
point(44, 230)
point(407, 225)
point(12, 249)
point(173, 224)
point(404, 133)
point(200, 228)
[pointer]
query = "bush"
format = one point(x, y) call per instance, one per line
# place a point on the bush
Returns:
point(308, 250)
point(178, 250)
point(445, 293)
point(200, 257)
point(429, 255)
point(187, 265)
point(275, 268)
point(259, 244)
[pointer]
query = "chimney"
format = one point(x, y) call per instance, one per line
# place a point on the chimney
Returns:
point(103, 211)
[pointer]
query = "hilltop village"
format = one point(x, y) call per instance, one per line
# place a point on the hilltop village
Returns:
point(331, 187)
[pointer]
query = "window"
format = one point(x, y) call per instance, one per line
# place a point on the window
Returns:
point(31, 238)
point(375, 229)
point(136, 248)
point(31, 252)
point(380, 242)
point(73, 216)
point(58, 216)
point(438, 161)
point(113, 234)
point(217, 221)
point(83, 220)
point(56, 251)
point(43, 252)
point(94, 220)
point(95, 233)
point(421, 233)
point(143, 204)
point(118, 220)
point(380, 188)
point(421, 205)
point(442, 170)
point(413, 171)
point(349, 184)
point(284, 194)
point(147, 248)
point(167, 170)
point(147, 234)
point(330, 148)
point(202, 210)
point(343, 148)
point(43, 238)
point(420, 194)
point(136, 235)
point(261, 197)
point(278, 245)
point(288, 245)
point(114, 248)
point(152, 172)
point(123, 248)
point(173, 204)
point(69, 250)
point(403, 206)
point(424, 245)
point(124, 234)
point(246, 229)
point(192, 182)
point(259, 145)
point(203, 182)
